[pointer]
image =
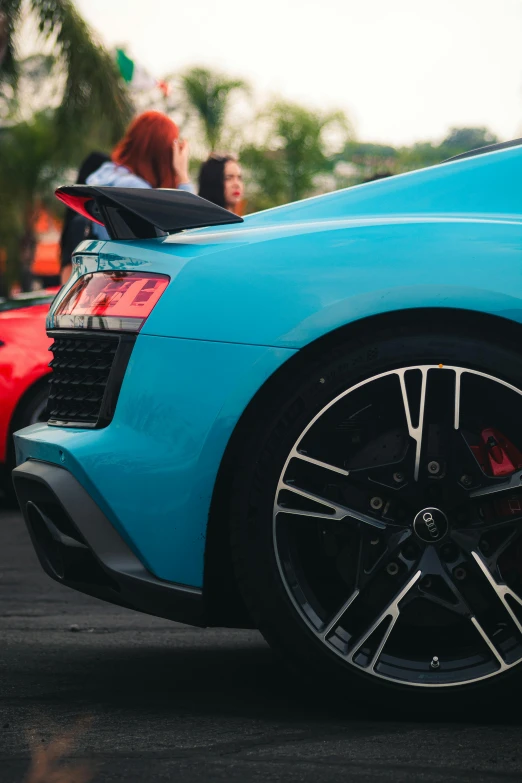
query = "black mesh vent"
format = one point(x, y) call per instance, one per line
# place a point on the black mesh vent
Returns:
point(87, 373)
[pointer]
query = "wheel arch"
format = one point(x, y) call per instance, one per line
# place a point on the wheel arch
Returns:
point(224, 604)
point(12, 426)
point(35, 386)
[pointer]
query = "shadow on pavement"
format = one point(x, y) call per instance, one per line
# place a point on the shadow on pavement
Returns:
point(227, 679)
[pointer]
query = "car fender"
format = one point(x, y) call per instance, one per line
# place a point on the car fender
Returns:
point(289, 290)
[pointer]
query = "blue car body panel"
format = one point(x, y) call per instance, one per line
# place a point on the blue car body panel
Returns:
point(243, 299)
point(152, 471)
point(448, 236)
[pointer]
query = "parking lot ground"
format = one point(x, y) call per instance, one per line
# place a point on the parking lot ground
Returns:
point(148, 700)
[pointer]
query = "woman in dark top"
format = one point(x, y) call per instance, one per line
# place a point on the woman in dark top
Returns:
point(221, 181)
point(76, 227)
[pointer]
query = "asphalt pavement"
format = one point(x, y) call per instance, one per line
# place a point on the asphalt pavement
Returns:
point(118, 696)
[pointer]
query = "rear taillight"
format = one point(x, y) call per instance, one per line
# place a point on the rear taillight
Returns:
point(119, 301)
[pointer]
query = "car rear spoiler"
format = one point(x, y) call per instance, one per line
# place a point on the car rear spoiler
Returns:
point(143, 213)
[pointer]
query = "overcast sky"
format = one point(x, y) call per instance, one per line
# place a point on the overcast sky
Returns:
point(404, 71)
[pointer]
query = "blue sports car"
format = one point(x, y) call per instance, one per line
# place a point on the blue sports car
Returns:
point(307, 422)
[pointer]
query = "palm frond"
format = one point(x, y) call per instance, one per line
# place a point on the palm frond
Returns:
point(296, 142)
point(93, 87)
point(208, 95)
point(9, 18)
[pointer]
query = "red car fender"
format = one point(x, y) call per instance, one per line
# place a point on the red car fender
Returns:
point(24, 360)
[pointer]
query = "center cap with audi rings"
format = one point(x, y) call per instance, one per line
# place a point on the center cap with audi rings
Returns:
point(431, 524)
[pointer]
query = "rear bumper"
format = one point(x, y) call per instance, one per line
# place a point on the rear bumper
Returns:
point(78, 546)
point(152, 470)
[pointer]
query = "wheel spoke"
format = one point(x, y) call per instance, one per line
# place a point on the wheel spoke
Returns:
point(513, 482)
point(501, 590)
point(484, 526)
point(396, 538)
point(415, 432)
point(502, 664)
point(392, 612)
point(338, 512)
point(469, 539)
point(302, 455)
point(336, 619)
point(436, 599)
point(460, 606)
point(363, 577)
point(501, 548)
point(458, 379)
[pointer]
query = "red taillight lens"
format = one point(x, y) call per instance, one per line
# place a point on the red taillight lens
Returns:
point(110, 300)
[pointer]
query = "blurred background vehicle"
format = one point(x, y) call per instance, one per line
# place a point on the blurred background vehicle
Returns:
point(24, 360)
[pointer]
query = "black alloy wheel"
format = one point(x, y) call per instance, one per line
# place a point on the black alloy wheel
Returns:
point(377, 531)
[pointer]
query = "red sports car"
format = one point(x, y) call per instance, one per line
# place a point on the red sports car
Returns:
point(24, 360)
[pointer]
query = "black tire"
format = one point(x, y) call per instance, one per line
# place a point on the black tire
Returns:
point(31, 410)
point(295, 399)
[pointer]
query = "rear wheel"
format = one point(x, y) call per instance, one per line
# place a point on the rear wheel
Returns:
point(377, 523)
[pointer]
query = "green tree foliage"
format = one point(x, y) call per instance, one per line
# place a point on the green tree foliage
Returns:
point(368, 160)
point(464, 139)
point(360, 160)
point(419, 155)
point(207, 95)
point(92, 85)
point(56, 107)
point(30, 168)
point(294, 154)
point(367, 153)
point(53, 109)
point(266, 184)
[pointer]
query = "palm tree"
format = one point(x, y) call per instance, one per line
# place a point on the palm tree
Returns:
point(93, 87)
point(30, 169)
point(207, 95)
point(300, 135)
point(294, 154)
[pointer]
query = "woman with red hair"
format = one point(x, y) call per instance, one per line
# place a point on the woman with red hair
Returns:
point(150, 155)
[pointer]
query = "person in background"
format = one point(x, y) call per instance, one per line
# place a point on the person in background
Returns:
point(150, 155)
point(221, 181)
point(76, 227)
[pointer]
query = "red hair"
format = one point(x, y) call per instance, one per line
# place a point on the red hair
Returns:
point(146, 149)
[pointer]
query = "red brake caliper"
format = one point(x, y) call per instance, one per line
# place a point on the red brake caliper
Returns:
point(498, 457)
point(496, 454)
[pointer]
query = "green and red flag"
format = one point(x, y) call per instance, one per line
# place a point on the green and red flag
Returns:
point(137, 77)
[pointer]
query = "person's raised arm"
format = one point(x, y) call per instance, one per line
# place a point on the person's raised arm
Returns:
point(180, 161)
